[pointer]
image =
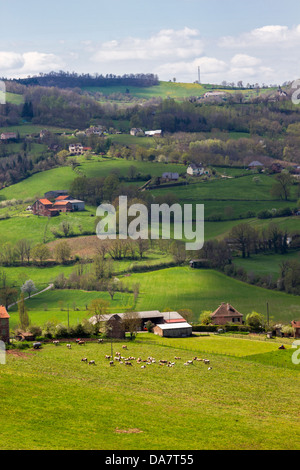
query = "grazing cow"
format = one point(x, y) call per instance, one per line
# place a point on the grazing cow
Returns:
point(107, 357)
point(69, 346)
point(100, 340)
point(111, 363)
point(177, 358)
point(124, 346)
point(206, 361)
point(84, 359)
point(56, 342)
point(127, 363)
point(143, 367)
point(81, 343)
point(92, 363)
point(190, 362)
point(210, 368)
point(37, 345)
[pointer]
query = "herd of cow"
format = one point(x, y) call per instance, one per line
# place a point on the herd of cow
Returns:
point(128, 361)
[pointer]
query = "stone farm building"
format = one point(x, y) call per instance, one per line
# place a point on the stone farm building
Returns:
point(46, 208)
point(177, 324)
point(225, 313)
point(4, 324)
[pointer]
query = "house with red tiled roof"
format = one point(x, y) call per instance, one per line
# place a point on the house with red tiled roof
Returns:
point(4, 324)
point(296, 326)
point(226, 313)
point(44, 207)
point(63, 206)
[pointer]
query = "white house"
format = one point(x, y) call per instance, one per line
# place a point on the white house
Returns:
point(195, 170)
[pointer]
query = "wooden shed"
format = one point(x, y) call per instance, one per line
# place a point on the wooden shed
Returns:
point(114, 327)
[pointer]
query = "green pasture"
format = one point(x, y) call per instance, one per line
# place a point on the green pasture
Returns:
point(171, 289)
point(239, 404)
point(201, 289)
point(265, 264)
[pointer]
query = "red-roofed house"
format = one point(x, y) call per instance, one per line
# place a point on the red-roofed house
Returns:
point(296, 326)
point(44, 207)
point(62, 206)
point(4, 324)
point(225, 313)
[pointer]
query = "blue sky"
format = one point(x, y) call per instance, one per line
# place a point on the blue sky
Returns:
point(230, 40)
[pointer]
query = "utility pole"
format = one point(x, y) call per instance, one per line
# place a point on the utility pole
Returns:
point(268, 313)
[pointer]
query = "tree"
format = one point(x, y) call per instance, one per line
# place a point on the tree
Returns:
point(28, 287)
point(205, 317)
point(187, 314)
point(23, 249)
point(281, 187)
point(132, 322)
point(41, 253)
point(62, 252)
point(23, 314)
point(255, 320)
point(242, 236)
point(98, 308)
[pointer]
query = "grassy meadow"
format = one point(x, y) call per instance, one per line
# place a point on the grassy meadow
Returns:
point(239, 404)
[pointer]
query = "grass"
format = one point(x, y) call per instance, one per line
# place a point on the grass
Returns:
point(199, 290)
point(265, 264)
point(27, 128)
point(239, 404)
point(166, 289)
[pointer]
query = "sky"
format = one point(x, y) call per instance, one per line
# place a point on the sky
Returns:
point(253, 42)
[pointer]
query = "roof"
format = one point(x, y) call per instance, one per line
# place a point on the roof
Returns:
point(61, 198)
point(61, 203)
point(296, 324)
point(3, 312)
point(255, 163)
point(170, 175)
point(226, 310)
point(46, 202)
point(172, 326)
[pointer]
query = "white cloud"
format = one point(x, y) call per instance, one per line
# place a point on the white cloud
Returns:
point(19, 65)
point(10, 60)
point(244, 60)
point(266, 36)
point(166, 44)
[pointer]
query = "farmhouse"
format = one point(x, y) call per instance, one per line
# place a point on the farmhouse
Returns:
point(4, 324)
point(76, 149)
point(173, 330)
point(296, 326)
point(63, 206)
point(195, 170)
point(155, 316)
point(255, 164)
point(136, 131)
point(76, 204)
point(225, 313)
point(8, 135)
point(44, 207)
